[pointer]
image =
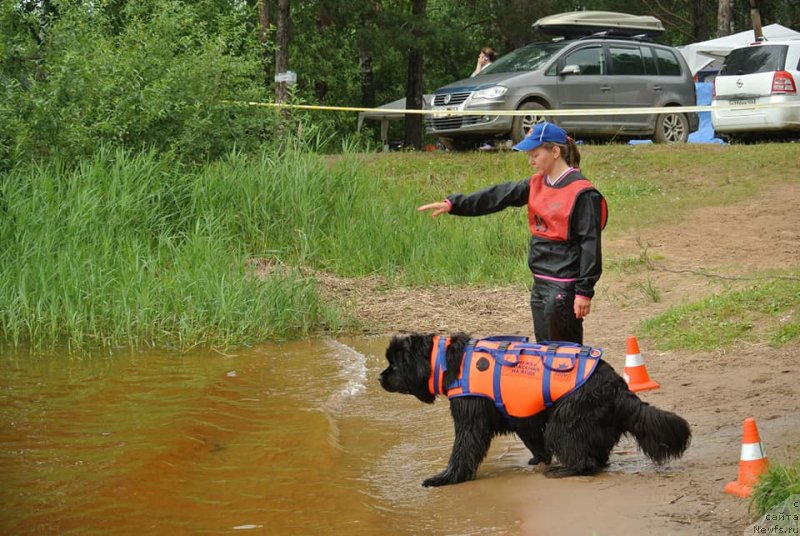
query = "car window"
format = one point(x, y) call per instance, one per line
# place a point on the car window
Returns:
point(667, 63)
point(759, 59)
point(589, 60)
point(626, 60)
point(528, 58)
point(649, 61)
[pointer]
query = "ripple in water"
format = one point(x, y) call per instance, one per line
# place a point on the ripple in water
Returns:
point(353, 373)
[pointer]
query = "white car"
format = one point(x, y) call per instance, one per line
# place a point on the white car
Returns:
point(761, 73)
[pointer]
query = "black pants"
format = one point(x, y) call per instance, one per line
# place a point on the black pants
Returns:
point(553, 314)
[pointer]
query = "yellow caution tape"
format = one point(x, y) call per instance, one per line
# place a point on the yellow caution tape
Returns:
point(547, 112)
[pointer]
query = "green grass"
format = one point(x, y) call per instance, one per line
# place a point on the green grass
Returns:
point(134, 249)
point(644, 184)
point(769, 311)
point(775, 486)
point(631, 265)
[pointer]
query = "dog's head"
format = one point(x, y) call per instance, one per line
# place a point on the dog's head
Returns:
point(409, 366)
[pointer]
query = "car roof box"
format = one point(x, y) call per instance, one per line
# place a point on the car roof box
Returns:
point(583, 23)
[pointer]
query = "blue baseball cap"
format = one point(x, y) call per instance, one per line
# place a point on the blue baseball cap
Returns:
point(542, 133)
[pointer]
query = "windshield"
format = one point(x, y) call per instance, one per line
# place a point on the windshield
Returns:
point(751, 60)
point(528, 58)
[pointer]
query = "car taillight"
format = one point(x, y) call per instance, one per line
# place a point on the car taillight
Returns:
point(782, 82)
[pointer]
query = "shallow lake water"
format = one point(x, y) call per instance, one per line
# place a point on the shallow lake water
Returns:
point(294, 438)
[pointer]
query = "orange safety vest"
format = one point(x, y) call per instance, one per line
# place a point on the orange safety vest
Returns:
point(550, 208)
point(521, 377)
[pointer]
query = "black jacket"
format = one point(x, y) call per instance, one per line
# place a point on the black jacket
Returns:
point(578, 258)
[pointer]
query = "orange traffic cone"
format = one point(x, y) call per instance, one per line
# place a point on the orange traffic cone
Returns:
point(752, 463)
point(635, 373)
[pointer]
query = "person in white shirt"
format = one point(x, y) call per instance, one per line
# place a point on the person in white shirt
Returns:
point(485, 58)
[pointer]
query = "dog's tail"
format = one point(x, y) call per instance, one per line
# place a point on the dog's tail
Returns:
point(661, 434)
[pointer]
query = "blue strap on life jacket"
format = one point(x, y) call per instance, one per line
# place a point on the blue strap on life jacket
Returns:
point(498, 395)
point(464, 382)
point(583, 355)
point(550, 354)
point(440, 365)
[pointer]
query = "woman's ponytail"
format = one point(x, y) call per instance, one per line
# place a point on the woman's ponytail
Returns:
point(571, 153)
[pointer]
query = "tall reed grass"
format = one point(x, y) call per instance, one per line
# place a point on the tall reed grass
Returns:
point(137, 249)
point(132, 250)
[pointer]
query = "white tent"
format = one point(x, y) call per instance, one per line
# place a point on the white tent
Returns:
point(698, 55)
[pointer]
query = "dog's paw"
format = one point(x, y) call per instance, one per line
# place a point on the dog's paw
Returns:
point(563, 472)
point(559, 472)
point(537, 459)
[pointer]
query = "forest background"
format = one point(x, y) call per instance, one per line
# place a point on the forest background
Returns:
point(160, 74)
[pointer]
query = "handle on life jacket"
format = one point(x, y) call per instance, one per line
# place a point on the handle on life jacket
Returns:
point(502, 355)
point(509, 338)
point(551, 354)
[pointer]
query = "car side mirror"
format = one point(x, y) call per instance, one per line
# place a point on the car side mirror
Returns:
point(570, 69)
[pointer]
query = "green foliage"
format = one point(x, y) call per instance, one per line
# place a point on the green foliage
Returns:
point(156, 81)
point(649, 290)
point(769, 311)
point(137, 250)
point(775, 486)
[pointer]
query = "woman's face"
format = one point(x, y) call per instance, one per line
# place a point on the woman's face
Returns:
point(543, 158)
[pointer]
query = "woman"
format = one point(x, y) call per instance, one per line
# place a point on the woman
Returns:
point(485, 58)
point(566, 215)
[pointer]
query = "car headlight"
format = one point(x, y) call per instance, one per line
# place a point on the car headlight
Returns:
point(490, 92)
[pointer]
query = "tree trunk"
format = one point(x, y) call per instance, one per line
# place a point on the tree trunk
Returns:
point(755, 17)
point(366, 42)
point(724, 18)
point(263, 38)
point(367, 79)
point(414, 83)
point(282, 54)
point(697, 12)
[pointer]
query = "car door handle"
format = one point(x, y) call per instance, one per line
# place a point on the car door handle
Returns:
point(605, 89)
point(656, 88)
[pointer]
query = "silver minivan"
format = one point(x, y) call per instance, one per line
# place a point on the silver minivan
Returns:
point(591, 72)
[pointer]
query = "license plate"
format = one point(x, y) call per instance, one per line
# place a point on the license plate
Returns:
point(445, 112)
point(743, 102)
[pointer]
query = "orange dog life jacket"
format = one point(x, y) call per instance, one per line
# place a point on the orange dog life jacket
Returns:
point(522, 378)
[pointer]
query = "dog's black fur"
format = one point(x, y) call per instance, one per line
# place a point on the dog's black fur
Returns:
point(580, 429)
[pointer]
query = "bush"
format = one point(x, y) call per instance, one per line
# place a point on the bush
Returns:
point(157, 81)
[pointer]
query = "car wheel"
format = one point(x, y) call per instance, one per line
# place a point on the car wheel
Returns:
point(671, 128)
point(523, 123)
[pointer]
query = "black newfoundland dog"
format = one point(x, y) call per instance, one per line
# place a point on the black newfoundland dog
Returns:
point(579, 429)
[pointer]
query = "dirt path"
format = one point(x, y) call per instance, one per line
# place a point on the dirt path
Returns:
point(713, 390)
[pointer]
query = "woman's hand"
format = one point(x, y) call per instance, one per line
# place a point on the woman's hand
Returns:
point(438, 208)
point(582, 306)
